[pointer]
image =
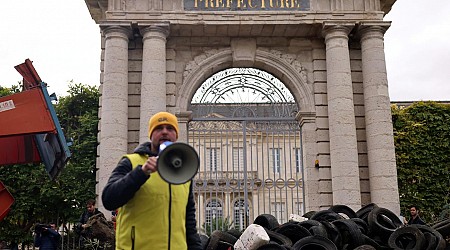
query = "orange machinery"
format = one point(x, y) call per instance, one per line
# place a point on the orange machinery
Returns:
point(29, 129)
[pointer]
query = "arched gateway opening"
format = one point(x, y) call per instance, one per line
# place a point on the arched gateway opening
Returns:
point(244, 128)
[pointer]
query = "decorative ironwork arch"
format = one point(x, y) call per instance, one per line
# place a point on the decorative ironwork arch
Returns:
point(243, 92)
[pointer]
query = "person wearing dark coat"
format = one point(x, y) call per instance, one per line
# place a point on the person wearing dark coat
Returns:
point(153, 214)
point(90, 211)
point(47, 238)
point(415, 218)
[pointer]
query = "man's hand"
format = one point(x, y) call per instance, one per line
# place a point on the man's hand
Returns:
point(150, 165)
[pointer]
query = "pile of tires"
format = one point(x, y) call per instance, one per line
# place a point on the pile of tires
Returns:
point(337, 228)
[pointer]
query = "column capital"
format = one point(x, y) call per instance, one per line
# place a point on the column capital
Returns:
point(184, 117)
point(374, 29)
point(305, 117)
point(332, 29)
point(111, 29)
point(154, 30)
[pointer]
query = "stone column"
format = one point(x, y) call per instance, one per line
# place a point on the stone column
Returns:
point(113, 135)
point(379, 131)
point(153, 85)
point(311, 176)
point(200, 210)
point(228, 207)
point(341, 116)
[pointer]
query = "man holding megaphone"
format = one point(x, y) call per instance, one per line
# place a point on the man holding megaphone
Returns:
point(153, 213)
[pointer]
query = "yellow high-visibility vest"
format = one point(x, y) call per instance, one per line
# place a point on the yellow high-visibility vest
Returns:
point(155, 218)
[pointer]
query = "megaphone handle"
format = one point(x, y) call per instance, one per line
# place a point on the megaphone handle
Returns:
point(150, 165)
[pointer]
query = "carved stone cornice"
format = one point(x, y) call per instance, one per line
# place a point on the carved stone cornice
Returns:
point(97, 8)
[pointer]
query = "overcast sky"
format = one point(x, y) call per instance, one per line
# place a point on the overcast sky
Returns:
point(63, 42)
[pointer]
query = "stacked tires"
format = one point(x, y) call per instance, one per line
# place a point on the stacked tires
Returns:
point(337, 228)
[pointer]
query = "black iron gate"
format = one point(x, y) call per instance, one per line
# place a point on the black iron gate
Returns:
point(248, 167)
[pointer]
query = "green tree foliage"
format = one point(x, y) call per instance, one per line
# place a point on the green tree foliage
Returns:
point(8, 91)
point(37, 198)
point(78, 116)
point(422, 144)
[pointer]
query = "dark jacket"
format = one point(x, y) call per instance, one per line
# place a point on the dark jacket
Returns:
point(86, 215)
point(126, 181)
point(47, 240)
point(416, 220)
point(83, 219)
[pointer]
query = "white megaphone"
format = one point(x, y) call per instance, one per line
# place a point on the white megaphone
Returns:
point(177, 162)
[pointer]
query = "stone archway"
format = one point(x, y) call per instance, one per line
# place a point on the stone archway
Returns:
point(284, 66)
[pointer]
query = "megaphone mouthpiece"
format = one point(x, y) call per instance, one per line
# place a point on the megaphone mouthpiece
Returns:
point(177, 162)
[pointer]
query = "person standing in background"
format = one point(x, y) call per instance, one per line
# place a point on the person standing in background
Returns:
point(46, 237)
point(415, 218)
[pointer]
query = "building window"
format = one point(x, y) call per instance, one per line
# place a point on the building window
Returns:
point(214, 212)
point(238, 158)
point(240, 216)
point(213, 159)
point(276, 159)
point(278, 211)
point(298, 160)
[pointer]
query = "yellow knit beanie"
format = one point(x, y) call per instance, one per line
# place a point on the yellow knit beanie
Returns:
point(162, 118)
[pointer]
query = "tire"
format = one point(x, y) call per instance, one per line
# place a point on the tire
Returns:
point(443, 227)
point(279, 238)
point(224, 236)
point(314, 242)
point(326, 215)
point(271, 246)
point(372, 242)
point(350, 233)
point(365, 247)
point(222, 245)
point(383, 222)
point(319, 230)
point(267, 221)
point(362, 225)
point(407, 238)
point(440, 241)
point(431, 241)
point(212, 243)
point(204, 239)
point(314, 227)
point(236, 233)
point(365, 210)
point(343, 209)
point(333, 233)
point(294, 231)
point(309, 214)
